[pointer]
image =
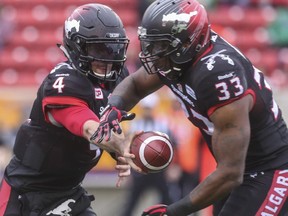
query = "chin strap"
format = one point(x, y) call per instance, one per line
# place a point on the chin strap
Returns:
point(109, 72)
point(63, 49)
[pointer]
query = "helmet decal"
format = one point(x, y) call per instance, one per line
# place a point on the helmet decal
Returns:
point(69, 25)
point(181, 21)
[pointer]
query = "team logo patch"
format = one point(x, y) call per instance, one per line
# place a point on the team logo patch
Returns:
point(211, 59)
point(98, 93)
point(63, 209)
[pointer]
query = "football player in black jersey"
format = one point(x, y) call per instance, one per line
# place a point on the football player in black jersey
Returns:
point(224, 95)
point(53, 151)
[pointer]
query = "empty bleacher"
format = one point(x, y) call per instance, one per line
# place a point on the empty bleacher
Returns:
point(31, 51)
point(247, 29)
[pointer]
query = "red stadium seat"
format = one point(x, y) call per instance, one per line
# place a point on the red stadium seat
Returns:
point(242, 18)
point(40, 23)
point(32, 47)
point(265, 60)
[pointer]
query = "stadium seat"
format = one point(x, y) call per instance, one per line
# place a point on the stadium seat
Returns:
point(265, 60)
point(39, 26)
point(242, 18)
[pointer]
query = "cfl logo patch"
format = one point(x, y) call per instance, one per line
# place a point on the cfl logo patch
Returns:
point(98, 93)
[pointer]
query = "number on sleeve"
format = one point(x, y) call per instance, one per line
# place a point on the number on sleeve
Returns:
point(223, 89)
point(58, 84)
point(236, 82)
point(224, 93)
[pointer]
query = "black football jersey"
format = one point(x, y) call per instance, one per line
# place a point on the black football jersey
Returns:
point(49, 156)
point(220, 76)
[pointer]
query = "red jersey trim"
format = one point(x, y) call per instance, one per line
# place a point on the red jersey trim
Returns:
point(64, 101)
point(248, 91)
point(73, 118)
point(5, 192)
point(69, 101)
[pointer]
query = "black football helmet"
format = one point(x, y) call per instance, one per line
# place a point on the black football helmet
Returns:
point(94, 32)
point(172, 32)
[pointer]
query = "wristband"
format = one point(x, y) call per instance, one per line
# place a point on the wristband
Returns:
point(182, 207)
point(116, 101)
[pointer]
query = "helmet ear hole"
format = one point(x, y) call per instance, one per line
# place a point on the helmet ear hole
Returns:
point(175, 42)
point(198, 48)
point(83, 65)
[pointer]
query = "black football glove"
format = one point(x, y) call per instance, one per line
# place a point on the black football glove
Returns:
point(156, 210)
point(110, 119)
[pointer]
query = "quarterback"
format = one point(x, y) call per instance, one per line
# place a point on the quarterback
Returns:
point(53, 151)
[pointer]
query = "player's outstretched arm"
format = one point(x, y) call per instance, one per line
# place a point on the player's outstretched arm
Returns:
point(230, 142)
point(125, 96)
point(135, 87)
point(117, 143)
point(82, 121)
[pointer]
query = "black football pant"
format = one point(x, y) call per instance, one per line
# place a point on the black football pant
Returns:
point(261, 194)
point(74, 202)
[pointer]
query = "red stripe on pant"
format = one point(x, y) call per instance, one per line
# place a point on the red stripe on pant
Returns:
point(5, 191)
point(276, 196)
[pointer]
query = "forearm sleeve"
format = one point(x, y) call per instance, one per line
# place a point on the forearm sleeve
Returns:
point(73, 118)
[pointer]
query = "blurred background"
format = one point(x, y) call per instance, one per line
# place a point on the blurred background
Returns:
point(29, 32)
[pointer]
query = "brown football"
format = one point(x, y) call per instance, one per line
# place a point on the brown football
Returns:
point(153, 151)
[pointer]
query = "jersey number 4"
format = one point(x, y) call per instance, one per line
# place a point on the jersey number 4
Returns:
point(58, 84)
